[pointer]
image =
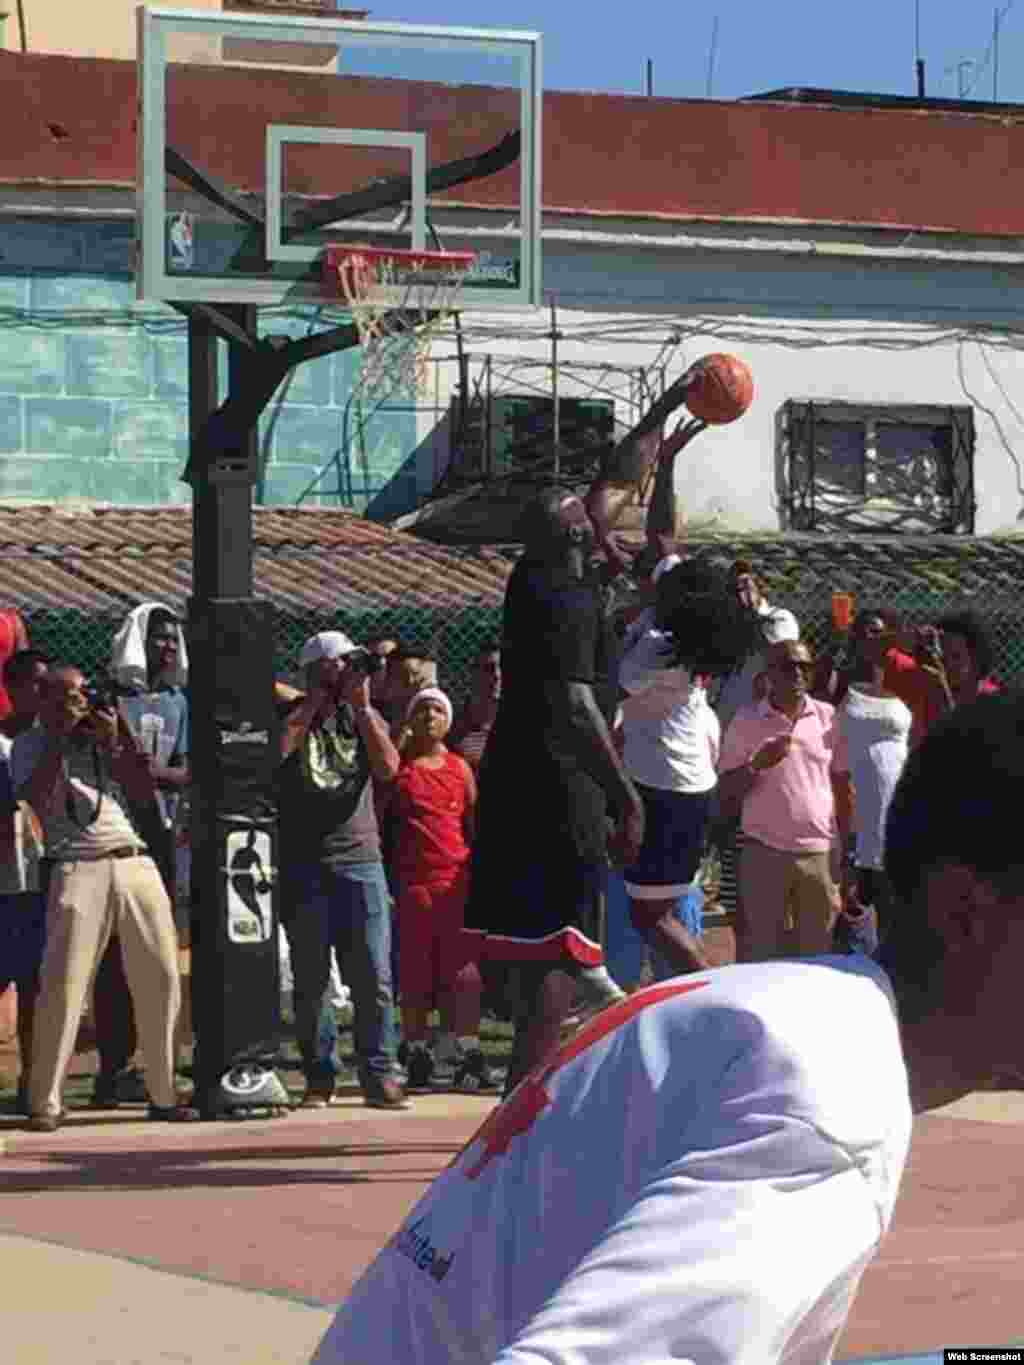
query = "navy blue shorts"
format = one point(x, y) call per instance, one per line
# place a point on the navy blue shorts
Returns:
point(674, 828)
point(22, 936)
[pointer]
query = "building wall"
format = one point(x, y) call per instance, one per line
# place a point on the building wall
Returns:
point(107, 28)
point(100, 28)
point(93, 386)
point(94, 390)
point(844, 330)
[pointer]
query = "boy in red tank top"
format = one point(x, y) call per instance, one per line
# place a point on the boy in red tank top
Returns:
point(433, 805)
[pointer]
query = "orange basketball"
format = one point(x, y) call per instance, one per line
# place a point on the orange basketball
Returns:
point(722, 390)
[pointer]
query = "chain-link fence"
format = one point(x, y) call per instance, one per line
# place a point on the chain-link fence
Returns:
point(454, 637)
point(922, 581)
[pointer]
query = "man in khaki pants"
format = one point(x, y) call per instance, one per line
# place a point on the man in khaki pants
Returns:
point(71, 769)
point(784, 764)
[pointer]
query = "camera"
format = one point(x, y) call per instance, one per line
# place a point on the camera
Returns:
point(101, 696)
point(365, 661)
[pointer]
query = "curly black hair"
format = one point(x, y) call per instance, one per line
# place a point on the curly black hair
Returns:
point(712, 632)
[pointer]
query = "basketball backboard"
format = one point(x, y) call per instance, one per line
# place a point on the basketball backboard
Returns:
point(263, 139)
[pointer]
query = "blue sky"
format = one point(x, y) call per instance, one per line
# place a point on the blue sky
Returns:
point(762, 44)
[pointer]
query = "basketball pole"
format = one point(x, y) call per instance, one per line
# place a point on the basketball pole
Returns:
point(236, 979)
point(234, 730)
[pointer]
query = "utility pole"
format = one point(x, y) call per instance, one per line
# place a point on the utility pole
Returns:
point(555, 337)
point(918, 59)
point(712, 54)
point(995, 56)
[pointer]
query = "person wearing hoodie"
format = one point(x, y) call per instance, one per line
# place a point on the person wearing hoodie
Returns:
point(149, 670)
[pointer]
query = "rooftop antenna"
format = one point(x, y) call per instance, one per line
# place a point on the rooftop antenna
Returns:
point(712, 54)
point(962, 84)
point(650, 77)
point(995, 56)
point(919, 60)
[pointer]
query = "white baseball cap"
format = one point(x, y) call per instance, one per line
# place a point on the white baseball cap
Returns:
point(329, 644)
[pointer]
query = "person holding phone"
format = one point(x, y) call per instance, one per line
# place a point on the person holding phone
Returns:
point(83, 774)
point(149, 673)
point(784, 767)
point(334, 893)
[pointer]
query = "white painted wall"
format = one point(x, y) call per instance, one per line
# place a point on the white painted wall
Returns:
point(846, 329)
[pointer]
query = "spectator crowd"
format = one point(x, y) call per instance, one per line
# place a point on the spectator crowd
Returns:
point(399, 818)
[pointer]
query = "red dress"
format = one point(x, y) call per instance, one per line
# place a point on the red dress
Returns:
point(431, 861)
point(13, 637)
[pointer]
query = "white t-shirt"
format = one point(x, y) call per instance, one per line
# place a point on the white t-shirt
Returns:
point(777, 624)
point(672, 736)
point(877, 731)
point(702, 1174)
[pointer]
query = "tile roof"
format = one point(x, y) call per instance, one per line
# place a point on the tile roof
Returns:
point(754, 161)
point(105, 560)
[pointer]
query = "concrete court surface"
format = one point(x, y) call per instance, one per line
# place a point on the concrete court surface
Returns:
point(232, 1241)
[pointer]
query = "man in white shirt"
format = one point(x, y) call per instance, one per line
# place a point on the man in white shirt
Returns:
point(704, 1172)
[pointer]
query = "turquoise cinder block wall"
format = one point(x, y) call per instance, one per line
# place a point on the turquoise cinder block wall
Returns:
point(94, 390)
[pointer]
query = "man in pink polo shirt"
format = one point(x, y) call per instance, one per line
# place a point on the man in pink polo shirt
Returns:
point(784, 765)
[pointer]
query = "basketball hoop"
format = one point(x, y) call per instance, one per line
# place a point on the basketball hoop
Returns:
point(399, 301)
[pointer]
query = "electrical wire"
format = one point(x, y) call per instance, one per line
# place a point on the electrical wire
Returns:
point(979, 68)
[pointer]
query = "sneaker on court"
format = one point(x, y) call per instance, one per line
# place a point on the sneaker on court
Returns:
point(318, 1096)
point(595, 990)
point(473, 1075)
point(420, 1067)
point(111, 1089)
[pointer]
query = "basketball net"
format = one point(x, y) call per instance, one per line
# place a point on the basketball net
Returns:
point(399, 301)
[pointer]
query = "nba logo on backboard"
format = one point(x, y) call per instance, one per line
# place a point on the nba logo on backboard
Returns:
point(181, 242)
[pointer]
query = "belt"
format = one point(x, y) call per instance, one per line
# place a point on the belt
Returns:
point(125, 851)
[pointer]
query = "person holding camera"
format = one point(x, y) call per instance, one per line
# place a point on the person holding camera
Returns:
point(83, 774)
point(149, 672)
point(915, 673)
point(334, 891)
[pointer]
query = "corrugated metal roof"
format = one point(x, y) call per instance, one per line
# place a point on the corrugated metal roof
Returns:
point(105, 560)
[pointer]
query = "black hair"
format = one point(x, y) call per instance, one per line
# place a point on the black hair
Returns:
point(539, 525)
point(488, 647)
point(979, 642)
point(952, 803)
point(22, 664)
point(63, 666)
point(408, 651)
point(158, 618)
point(864, 615)
point(712, 632)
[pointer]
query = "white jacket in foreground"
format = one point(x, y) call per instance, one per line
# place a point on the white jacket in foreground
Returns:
point(701, 1175)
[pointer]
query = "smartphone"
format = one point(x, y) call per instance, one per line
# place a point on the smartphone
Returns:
point(844, 604)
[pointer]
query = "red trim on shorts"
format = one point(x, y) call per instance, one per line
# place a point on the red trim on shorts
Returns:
point(555, 947)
